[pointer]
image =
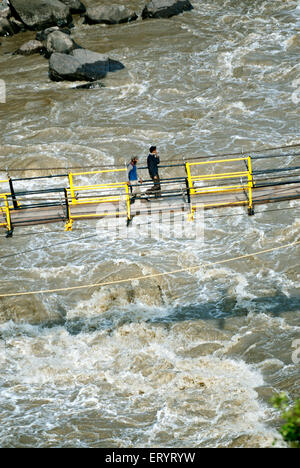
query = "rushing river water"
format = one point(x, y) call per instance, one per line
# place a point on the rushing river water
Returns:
point(187, 360)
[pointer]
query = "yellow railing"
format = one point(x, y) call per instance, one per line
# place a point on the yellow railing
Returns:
point(116, 193)
point(113, 198)
point(5, 212)
point(195, 190)
point(73, 189)
point(4, 207)
point(2, 182)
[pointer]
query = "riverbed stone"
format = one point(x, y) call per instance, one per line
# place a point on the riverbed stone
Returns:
point(76, 6)
point(39, 14)
point(91, 85)
point(165, 8)
point(55, 39)
point(58, 41)
point(6, 28)
point(30, 48)
point(17, 25)
point(4, 9)
point(81, 65)
point(42, 35)
point(109, 14)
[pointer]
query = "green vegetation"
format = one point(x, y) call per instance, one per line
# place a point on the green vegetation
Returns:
point(290, 430)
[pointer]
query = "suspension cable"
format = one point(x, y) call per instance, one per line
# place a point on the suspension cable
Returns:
point(154, 275)
point(116, 166)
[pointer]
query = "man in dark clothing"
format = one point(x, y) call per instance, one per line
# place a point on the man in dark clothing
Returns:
point(152, 163)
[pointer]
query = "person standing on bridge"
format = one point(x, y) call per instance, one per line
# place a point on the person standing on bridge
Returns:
point(133, 179)
point(152, 163)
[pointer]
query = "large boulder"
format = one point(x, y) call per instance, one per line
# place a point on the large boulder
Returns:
point(165, 8)
point(76, 6)
point(81, 65)
point(58, 41)
point(39, 14)
point(48, 41)
point(9, 24)
point(109, 14)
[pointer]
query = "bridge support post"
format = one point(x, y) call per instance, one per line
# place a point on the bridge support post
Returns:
point(13, 195)
point(69, 223)
point(250, 187)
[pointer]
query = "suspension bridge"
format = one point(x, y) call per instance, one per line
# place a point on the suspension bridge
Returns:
point(188, 186)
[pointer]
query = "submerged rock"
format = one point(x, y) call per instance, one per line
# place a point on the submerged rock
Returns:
point(38, 14)
point(27, 310)
point(91, 85)
point(30, 48)
point(81, 65)
point(166, 8)
point(109, 14)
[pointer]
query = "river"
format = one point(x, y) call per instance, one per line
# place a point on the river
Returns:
point(186, 360)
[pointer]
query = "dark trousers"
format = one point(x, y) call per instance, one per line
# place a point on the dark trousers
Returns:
point(156, 181)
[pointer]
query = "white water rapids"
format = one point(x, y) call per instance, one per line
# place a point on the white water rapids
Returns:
point(187, 360)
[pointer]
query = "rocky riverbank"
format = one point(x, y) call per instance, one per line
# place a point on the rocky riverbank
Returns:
point(53, 21)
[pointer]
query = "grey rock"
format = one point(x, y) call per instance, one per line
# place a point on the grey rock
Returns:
point(58, 41)
point(55, 39)
point(165, 8)
point(109, 14)
point(76, 6)
point(30, 48)
point(4, 9)
point(81, 65)
point(42, 35)
point(39, 14)
point(17, 25)
point(6, 28)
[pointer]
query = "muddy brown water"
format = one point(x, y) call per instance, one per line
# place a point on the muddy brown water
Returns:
point(187, 360)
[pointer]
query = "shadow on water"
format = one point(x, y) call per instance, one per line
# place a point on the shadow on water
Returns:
point(219, 311)
point(230, 307)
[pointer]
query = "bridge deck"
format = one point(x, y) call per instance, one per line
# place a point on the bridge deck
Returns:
point(151, 204)
point(201, 186)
